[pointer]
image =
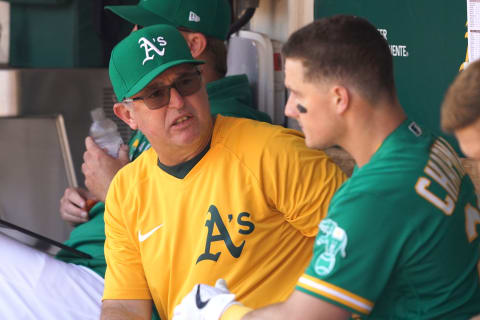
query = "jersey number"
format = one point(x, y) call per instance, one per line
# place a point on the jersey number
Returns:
point(447, 205)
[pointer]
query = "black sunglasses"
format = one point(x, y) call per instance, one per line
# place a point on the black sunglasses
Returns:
point(186, 85)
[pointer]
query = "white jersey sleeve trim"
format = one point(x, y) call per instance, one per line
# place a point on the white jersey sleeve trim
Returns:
point(335, 293)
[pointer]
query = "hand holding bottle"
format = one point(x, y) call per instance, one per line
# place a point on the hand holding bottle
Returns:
point(99, 167)
point(105, 132)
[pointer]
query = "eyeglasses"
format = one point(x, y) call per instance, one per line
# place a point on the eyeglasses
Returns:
point(186, 85)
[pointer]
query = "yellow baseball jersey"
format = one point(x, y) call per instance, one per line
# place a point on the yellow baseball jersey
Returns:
point(247, 212)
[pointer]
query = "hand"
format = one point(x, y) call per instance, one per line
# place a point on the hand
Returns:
point(73, 205)
point(205, 302)
point(99, 167)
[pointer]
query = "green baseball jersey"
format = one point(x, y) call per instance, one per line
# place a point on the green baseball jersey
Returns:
point(400, 240)
point(232, 96)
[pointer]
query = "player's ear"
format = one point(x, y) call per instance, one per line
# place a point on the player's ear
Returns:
point(197, 42)
point(125, 113)
point(341, 97)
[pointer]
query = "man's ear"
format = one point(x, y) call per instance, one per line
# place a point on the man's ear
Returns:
point(197, 43)
point(124, 112)
point(341, 96)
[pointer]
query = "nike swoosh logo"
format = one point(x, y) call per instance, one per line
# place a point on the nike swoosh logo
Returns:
point(143, 237)
point(198, 301)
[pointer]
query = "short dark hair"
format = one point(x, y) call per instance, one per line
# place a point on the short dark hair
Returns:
point(345, 48)
point(461, 105)
point(215, 50)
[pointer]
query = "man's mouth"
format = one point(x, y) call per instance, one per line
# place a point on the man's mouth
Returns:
point(180, 120)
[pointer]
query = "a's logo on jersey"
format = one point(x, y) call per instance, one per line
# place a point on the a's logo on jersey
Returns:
point(150, 46)
point(223, 235)
point(334, 240)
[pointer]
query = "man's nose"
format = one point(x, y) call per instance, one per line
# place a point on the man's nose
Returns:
point(176, 99)
point(291, 108)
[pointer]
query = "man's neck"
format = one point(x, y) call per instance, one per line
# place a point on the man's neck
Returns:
point(176, 156)
point(209, 73)
point(368, 130)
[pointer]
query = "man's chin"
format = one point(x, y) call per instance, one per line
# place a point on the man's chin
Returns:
point(316, 144)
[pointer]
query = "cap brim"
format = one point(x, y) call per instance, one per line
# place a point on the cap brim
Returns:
point(154, 73)
point(138, 15)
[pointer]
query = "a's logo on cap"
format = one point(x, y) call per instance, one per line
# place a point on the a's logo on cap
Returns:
point(149, 46)
point(193, 17)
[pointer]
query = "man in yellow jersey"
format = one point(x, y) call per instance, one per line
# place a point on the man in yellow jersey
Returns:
point(214, 196)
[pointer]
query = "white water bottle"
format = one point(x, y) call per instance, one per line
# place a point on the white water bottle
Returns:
point(105, 132)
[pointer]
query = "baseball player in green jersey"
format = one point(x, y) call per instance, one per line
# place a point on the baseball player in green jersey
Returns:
point(400, 240)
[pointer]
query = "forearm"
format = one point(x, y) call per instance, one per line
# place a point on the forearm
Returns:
point(240, 312)
point(299, 306)
point(113, 313)
point(126, 310)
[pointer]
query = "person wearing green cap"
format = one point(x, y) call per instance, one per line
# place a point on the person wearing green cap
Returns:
point(205, 30)
point(214, 197)
point(204, 25)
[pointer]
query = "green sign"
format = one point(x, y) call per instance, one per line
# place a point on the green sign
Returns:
point(428, 42)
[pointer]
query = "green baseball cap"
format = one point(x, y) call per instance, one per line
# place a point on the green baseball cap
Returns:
point(210, 17)
point(143, 55)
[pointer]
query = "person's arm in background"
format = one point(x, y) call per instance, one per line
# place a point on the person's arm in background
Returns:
point(99, 169)
point(74, 205)
point(126, 310)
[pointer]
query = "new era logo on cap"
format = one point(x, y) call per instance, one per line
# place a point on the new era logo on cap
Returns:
point(193, 17)
point(210, 17)
point(149, 46)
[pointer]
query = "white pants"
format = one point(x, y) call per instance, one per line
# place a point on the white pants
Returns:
point(34, 285)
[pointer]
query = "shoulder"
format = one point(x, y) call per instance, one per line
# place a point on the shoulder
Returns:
point(241, 135)
point(397, 165)
point(274, 151)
